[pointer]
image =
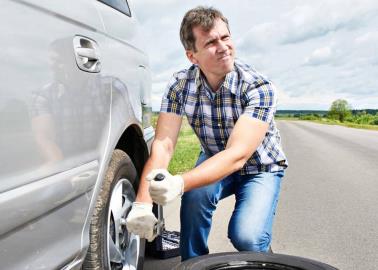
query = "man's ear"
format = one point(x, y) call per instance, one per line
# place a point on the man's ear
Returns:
point(191, 57)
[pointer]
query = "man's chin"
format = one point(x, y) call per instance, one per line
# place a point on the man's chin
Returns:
point(229, 66)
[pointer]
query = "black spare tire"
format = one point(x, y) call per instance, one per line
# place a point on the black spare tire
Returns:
point(251, 260)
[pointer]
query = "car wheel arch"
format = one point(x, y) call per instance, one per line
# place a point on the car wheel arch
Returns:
point(132, 142)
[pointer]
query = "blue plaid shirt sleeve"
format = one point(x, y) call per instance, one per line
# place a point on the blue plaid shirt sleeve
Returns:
point(261, 101)
point(172, 99)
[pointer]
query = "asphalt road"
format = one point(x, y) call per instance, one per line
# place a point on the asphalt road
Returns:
point(328, 203)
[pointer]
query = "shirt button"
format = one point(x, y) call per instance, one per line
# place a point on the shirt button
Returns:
point(219, 125)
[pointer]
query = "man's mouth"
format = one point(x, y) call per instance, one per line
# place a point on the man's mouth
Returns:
point(224, 57)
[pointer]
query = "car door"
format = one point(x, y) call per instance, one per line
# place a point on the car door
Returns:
point(129, 64)
point(54, 115)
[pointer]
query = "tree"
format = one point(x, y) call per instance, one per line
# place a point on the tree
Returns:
point(340, 110)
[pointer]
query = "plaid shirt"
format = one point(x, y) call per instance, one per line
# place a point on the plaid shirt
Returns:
point(213, 115)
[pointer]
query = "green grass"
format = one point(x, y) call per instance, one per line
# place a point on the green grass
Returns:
point(187, 149)
point(284, 117)
point(345, 124)
point(327, 121)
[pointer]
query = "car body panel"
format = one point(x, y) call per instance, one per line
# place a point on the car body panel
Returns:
point(49, 232)
point(48, 115)
point(59, 125)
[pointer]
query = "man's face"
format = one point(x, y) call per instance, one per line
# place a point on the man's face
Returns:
point(215, 50)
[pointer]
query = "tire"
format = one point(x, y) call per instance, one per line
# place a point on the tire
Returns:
point(251, 260)
point(107, 251)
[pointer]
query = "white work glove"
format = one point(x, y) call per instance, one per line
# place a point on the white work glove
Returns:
point(166, 190)
point(141, 221)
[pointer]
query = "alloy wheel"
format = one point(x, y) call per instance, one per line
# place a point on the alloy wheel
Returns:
point(122, 246)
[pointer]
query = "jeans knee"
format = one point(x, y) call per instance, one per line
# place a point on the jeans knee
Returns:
point(197, 200)
point(257, 241)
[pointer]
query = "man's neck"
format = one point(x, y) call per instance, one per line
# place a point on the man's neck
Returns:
point(213, 81)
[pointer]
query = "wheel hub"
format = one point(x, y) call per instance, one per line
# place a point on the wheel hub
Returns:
point(123, 247)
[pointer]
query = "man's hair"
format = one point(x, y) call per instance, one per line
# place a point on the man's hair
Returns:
point(199, 16)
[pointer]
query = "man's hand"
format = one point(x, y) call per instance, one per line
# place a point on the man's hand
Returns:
point(142, 221)
point(167, 189)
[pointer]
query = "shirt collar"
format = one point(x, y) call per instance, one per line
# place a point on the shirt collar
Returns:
point(230, 81)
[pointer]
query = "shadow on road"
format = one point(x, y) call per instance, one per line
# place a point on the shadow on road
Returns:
point(151, 263)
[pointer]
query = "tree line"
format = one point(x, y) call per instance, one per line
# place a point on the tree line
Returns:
point(340, 111)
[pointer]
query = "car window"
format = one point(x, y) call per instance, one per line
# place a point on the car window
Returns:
point(120, 5)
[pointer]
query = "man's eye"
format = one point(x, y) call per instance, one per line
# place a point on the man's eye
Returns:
point(226, 38)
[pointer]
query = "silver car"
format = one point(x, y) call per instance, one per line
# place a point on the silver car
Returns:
point(74, 133)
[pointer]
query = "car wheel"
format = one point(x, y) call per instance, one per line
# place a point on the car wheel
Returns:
point(111, 245)
point(251, 260)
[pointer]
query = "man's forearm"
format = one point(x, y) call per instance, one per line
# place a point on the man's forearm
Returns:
point(246, 136)
point(143, 195)
point(213, 169)
point(159, 159)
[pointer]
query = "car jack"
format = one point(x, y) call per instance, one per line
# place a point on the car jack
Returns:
point(167, 243)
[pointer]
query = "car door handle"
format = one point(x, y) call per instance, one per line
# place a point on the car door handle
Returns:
point(87, 54)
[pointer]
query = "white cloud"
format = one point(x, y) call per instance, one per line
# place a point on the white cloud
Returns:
point(323, 17)
point(299, 23)
point(369, 37)
point(319, 56)
point(262, 36)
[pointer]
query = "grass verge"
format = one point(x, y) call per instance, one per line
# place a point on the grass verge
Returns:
point(332, 122)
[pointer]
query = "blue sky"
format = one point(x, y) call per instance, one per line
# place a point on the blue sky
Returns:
point(314, 51)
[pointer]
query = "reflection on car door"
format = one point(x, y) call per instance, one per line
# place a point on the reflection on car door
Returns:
point(53, 128)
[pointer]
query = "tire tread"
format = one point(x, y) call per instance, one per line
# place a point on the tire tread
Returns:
point(93, 260)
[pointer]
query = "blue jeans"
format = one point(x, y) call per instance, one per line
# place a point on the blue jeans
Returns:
point(250, 226)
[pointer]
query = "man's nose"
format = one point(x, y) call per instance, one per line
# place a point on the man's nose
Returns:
point(222, 46)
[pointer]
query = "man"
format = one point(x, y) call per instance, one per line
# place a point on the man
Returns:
point(230, 108)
